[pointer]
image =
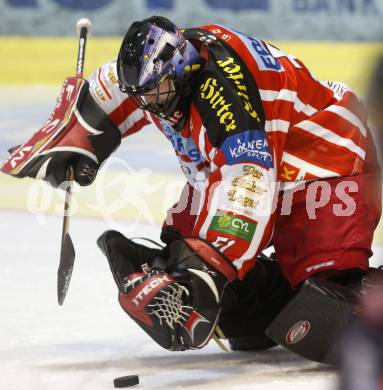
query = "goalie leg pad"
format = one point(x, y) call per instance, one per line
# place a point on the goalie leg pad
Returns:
point(313, 322)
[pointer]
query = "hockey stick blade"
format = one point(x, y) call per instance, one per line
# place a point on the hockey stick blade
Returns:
point(65, 269)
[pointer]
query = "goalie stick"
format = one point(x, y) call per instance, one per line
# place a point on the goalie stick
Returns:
point(67, 253)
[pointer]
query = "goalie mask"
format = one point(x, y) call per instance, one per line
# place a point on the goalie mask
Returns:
point(154, 63)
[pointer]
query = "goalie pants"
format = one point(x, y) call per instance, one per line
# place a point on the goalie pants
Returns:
point(330, 226)
point(320, 225)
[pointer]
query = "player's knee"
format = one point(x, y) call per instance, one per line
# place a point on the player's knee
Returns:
point(250, 305)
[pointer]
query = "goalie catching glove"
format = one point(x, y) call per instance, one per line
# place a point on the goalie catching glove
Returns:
point(78, 134)
point(178, 301)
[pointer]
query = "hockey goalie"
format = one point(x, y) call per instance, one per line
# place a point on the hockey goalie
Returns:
point(272, 157)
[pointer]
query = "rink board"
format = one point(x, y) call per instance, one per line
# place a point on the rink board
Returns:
point(28, 60)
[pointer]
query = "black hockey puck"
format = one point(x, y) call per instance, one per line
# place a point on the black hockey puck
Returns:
point(126, 381)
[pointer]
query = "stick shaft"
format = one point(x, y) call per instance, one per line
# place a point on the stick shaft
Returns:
point(81, 52)
point(67, 202)
point(70, 173)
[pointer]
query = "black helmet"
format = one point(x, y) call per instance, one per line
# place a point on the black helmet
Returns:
point(153, 51)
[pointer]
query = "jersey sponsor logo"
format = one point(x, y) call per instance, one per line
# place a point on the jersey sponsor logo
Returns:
point(298, 332)
point(249, 146)
point(339, 88)
point(248, 184)
point(232, 224)
point(227, 98)
point(176, 118)
point(240, 199)
point(96, 87)
point(233, 72)
point(111, 73)
point(250, 170)
point(260, 53)
point(212, 92)
point(185, 146)
point(247, 191)
point(288, 172)
point(99, 92)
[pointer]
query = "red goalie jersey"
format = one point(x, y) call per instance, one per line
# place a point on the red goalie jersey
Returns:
point(257, 120)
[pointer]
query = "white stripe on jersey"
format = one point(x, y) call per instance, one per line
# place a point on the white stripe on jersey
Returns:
point(277, 125)
point(201, 142)
point(330, 136)
point(308, 110)
point(348, 116)
point(289, 96)
point(277, 53)
point(108, 75)
point(306, 166)
point(131, 119)
point(268, 95)
point(212, 199)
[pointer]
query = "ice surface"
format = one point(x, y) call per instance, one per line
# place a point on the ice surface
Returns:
point(89, 340)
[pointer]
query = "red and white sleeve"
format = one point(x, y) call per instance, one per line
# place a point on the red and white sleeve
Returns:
point(117, 105)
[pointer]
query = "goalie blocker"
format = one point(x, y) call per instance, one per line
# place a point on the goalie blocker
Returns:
point(78, 134)
point(177, 301)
